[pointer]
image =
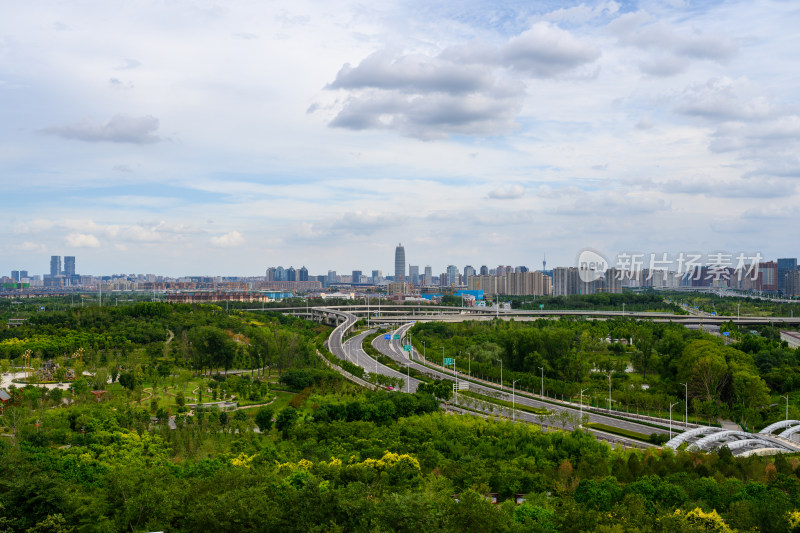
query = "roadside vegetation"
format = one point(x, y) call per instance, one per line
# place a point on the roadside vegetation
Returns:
point(295, 447)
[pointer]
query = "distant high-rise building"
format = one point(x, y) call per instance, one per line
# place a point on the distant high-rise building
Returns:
point(468, 273)
point(332, 277)
point(544, 262)
point(399, 263)
point(356, 276)
point(768, 272)
point(280, 274)
point(428, 279)
point(291, 274)
point(413, 274)
point(452, 275)
point(792, 283)
point(271, 274)
point(69, 265)
point(566, 280)
point(785, 265)
point(55, 266)
point(484, 270)
point(19, 275)
point(522, 269)
point(377, 276)
point(302, 274)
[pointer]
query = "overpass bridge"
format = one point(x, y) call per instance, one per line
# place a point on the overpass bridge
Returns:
point(344, 318)
point(399, 314)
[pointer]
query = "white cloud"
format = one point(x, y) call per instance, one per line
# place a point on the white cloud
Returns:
point(233, 238)
point(507, 192)
point(29, 246)
point(82, 240)
point(120, 129)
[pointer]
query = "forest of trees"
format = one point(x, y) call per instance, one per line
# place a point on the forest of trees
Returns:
point(308, 451)
point(648, 363)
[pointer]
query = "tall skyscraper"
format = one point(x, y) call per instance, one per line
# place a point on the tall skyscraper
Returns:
point(303, 274)
point(55, 266)
point(785, 265)
point(452, 275)
point(69, 265)
point(291, 274)
point(376, 276)
point(484, 270)
point(413, 274)
point(399, 263)
point(356, 276)
point(428, 281)
point(332, 277)
point(469, 271)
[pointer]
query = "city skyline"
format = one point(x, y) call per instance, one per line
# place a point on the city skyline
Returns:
point(188, 138)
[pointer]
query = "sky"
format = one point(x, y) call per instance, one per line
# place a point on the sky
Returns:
point(201, 138)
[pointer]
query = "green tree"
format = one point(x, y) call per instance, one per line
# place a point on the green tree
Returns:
point(286, 419)
point(264, 418)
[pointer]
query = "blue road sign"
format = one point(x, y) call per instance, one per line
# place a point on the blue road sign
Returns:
point(387, 337)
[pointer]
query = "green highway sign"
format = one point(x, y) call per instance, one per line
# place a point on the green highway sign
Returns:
point(397, 337)
point(448, 361)
point(407, 347)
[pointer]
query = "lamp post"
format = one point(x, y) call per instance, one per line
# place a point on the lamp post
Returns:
point(670, 419)
point(787, 405)
point(501, 374)
point(580, 420)
point(423, 351)
point(542, 369)
point(469, 364)
point(609, 390)
point(456, 378)
point(513, 407)
point(686, 401)
point(623, 308)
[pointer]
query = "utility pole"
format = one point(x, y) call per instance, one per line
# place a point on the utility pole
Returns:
point(580, 420)
point(686, 402)
point(542, 369)
point(513, 407)
point(787, 405)
point(670, 419)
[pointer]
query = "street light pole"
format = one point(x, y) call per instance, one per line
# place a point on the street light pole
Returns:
point(670, 419)
point(513, 407)
point(609, 390)
point(542, 369)
point(787, 405)
point(501, 374)
point(686, 402)
point(423, 351)
point(580, 420)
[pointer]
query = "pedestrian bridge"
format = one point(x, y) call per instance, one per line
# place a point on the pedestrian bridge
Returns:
point(742, 443)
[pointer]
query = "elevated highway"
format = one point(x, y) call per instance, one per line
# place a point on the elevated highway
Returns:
point(697, 437)
point(401, 314)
